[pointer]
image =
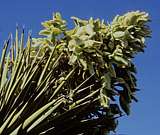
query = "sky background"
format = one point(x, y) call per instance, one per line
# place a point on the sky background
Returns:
point(145, 116)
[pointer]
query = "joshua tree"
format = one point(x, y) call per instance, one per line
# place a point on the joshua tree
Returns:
point(72, 81)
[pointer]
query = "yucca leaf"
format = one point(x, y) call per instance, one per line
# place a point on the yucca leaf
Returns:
point(22, 41)
point(28, 49)
point(85, 98)
point(66, 116)
point(16, 116)
point(43, 85)
point(5, 71)
point(13, 78)
point(44, 116)
point(12, 53)
point(43, 91)
point(3, 58)
point(37, 114)
point(63, 82)
point(83, 89)
point(6, 122)
point(85, 81)
point(31, 72)
point(46, 65)
point(10, 92)
point(16, 131)
point(17, 41)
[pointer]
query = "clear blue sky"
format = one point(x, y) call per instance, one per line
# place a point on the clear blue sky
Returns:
point(145, 118)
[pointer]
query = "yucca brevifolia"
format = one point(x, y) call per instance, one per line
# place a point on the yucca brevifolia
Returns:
point(68, 82)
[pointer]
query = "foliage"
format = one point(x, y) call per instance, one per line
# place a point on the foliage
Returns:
point(68, 81)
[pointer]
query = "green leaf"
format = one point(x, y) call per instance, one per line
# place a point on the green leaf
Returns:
point(46, 24)
point(56, 31)
point(91, 68)
point(84, 63)
point(121, 60)
point(119, 34)
point(72, 59)
point(57, 15)
point(124, 104)
point(127, 94)
point(45, 32)
point(79, 22)
point(104, 100)
point(106, 81)
point(111, 70)
point(89, 30)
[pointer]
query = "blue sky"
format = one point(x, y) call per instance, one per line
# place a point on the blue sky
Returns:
point(144, 119)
